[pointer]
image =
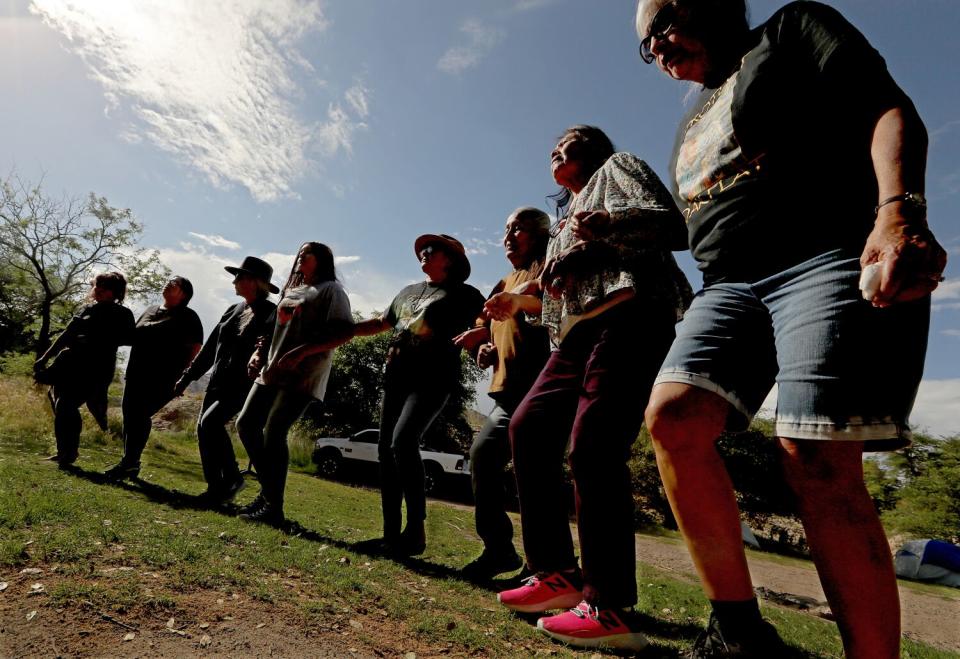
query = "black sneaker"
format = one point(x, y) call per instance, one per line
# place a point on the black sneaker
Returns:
point(763, 642)
point(255, 505)
point(491, 563)
point(232, 488)
point(121, 472)
point(265, 514)
point(63, 462)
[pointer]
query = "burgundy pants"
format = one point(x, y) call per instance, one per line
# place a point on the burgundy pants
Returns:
point(591, 394)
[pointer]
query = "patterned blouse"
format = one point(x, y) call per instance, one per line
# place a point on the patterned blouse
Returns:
point(644, 227)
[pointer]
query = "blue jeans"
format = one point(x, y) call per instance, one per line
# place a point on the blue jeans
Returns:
point(845, 370)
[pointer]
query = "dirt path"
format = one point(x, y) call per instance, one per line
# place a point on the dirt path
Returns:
point(928, 618)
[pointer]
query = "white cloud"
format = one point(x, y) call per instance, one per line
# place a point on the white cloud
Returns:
point(934, 412)
point(481, 40)
point(947, 296)
point(215, 240)
point(211, 82)
point(527, 5)
point(951, 332)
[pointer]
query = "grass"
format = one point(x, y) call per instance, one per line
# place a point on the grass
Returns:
point(145, 547)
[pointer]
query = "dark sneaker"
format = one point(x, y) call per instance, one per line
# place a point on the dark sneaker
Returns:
point(265, 514)
point(543, 592)
point(62, 461)
point(410, 543)
point(585, 626)
point(255, 505)
point(121, 472)
point(491, 563)
point(233, 488)
point(763, 642)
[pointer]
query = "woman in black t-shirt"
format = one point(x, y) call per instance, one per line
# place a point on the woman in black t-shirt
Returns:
point(166, 339)
point(243, 327)
point(423, 365)
point(799, 165)
point(85, 356)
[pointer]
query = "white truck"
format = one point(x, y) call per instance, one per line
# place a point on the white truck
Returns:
point(331, 453)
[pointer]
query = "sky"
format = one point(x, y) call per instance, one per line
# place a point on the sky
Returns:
point(249, 126)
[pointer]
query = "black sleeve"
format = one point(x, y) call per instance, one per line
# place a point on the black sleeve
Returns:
point(127, 325)
point(854, 72)
point(204, 359)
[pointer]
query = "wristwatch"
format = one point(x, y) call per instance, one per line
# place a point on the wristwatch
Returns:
point(913, 199)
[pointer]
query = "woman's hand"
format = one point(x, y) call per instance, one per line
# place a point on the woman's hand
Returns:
point(486, 355)
point(590, 225)
point(180, 386)
point(471, 339)
point(911, 259)
point(502, 306)
point(579, 259)
point(290, 360)
point(255, 365)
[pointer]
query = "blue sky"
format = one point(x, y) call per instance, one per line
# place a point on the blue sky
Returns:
point(246, 127)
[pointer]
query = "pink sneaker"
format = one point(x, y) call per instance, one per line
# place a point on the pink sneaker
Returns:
point(588, 627)
point(542, 592)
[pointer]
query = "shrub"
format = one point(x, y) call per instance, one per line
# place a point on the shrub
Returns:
point(929, 503)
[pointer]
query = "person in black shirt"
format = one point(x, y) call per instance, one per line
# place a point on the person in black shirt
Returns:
point(422, 366)
point(800, 164)
point(243, 327)
point(165, 340)
point(85, 357)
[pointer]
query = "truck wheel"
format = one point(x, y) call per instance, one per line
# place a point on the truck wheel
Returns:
point(432, 476)
point(328, 462)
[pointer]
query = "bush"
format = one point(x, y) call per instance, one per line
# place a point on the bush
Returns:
point(17, 363)
point(928, 503)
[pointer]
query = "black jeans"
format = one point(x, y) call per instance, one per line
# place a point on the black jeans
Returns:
point(140, 402)
point(263, 425)
point(591, 394)
point(216, 450)
point(489, 456)
point(66, 420)
point(406, 414)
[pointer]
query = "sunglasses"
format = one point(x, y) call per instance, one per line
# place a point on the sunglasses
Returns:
point(664, 21)
point(427, 251)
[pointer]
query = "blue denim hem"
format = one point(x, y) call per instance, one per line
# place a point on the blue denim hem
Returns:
point(703, 382)
point(856, 429)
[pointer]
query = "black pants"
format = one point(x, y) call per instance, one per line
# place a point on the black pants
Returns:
point(66, 420)
point(140, 402)
point(407, 412)
point(263, 425)
point(489, 456)
point(216, 450)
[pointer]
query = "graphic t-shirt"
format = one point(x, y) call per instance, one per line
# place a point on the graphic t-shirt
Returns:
point(426, 317)
point(773, 166)
point(163, 344)
point(304, 315)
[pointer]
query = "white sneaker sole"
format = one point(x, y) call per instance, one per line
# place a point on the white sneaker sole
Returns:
point(633, 641)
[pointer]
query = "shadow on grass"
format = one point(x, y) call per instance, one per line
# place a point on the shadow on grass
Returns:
point(376, 548)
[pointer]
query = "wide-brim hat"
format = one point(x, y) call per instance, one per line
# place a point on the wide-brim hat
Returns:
point(460, 264)
point(256, 268)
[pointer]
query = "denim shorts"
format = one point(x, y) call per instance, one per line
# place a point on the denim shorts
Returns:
point(845, 370)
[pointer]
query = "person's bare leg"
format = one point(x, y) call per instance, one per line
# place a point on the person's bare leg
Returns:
point(847, 543)
point(684, 421)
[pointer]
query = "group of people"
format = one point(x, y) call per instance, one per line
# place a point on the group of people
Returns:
point(800, 163)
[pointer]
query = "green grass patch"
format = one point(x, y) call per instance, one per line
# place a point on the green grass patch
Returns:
point(142, 546)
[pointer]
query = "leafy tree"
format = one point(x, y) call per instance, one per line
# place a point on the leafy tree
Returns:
point(56, 245)
point(928, 504)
